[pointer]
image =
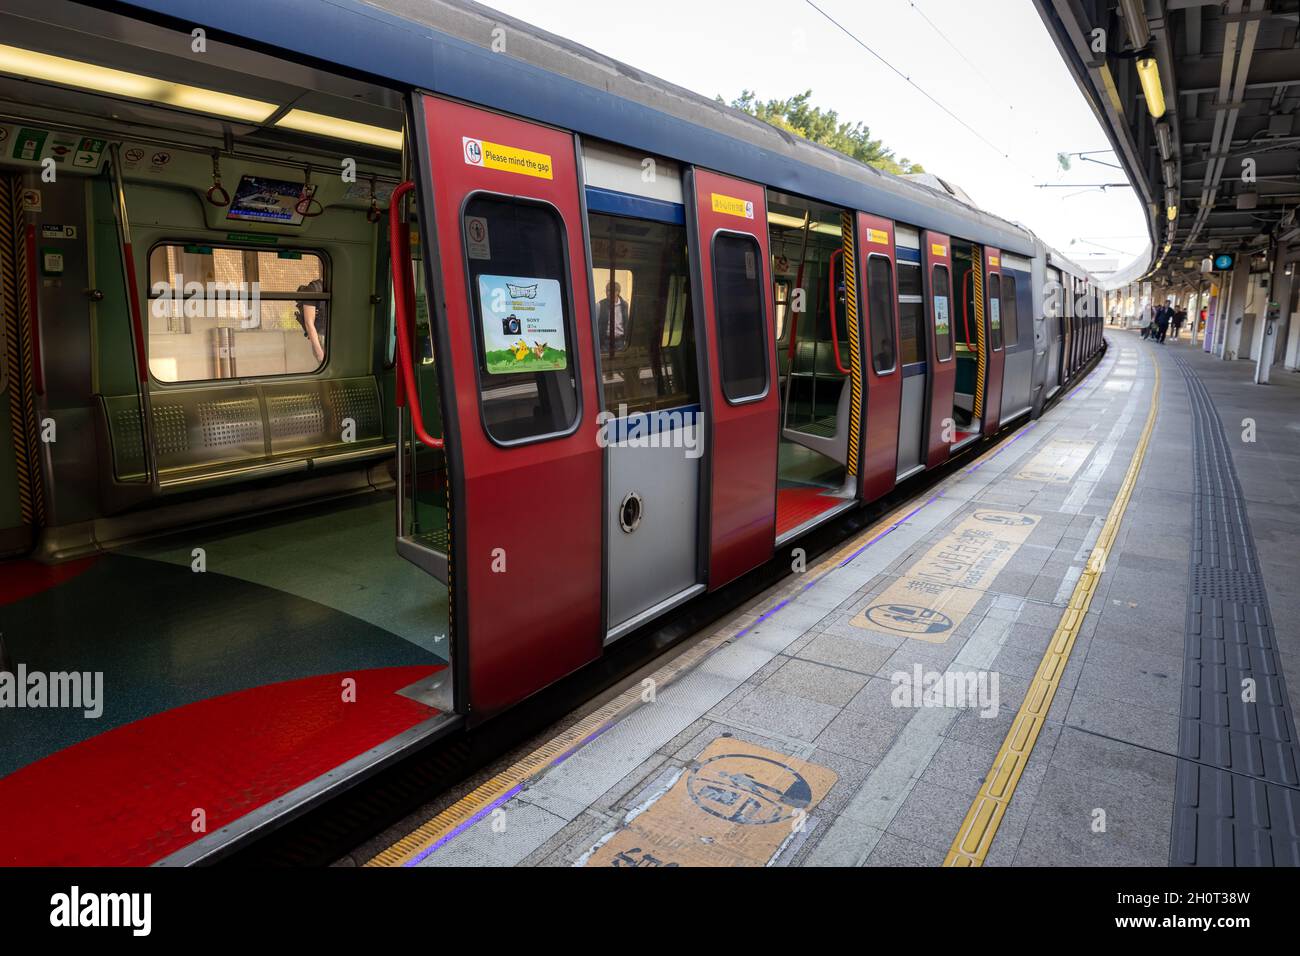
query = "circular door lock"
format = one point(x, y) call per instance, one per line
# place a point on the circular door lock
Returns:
point(630, 512)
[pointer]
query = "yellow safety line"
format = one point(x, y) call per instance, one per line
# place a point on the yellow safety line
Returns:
point(971, 844)
point(537, 762)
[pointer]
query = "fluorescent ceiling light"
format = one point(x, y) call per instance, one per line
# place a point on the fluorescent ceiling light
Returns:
point(796, 222)
point(1163, 138)
point(1149, 74)
point(101, 79)
point(335, 128)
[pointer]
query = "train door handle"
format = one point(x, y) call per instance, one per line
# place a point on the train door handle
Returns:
point(630, 512)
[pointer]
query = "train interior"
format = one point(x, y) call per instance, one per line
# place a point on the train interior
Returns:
point(196, 305)
point(967, 335)
point(813, 356)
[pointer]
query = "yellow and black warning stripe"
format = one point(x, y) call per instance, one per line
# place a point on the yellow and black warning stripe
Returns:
point(15, 314)
point(981, 359)
point(855, 351)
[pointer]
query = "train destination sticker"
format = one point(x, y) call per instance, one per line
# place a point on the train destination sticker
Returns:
point(1058, 461)
point(731, 206)
point(735, 805)
point(523, 324)
point(936, 593)
point(510, 159)
point(938, 250)
point(878, 236)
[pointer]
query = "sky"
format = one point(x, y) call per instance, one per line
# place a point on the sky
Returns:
point(991, 64)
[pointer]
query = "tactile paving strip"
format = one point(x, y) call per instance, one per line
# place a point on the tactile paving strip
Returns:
point(1237, 796)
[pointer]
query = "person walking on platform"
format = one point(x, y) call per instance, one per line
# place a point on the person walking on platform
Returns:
point(1180, 316)
point(1162, 323)
point(1144, 320)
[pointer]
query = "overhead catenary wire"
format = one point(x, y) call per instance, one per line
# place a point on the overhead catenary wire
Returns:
point(909, 81)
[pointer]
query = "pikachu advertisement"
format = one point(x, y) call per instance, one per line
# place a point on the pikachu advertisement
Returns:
point(523, 324)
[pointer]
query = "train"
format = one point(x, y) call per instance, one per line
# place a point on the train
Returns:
point(405, 344)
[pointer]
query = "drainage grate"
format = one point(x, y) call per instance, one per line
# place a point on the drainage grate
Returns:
point(1237, 793)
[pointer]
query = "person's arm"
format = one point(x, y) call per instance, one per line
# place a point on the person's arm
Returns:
point(309, 324)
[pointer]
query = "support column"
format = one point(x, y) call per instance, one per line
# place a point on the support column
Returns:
point(1279, 300)
point(1232, 315)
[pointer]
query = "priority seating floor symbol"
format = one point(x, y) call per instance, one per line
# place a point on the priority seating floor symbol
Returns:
point(909, 618)
point(748, 789)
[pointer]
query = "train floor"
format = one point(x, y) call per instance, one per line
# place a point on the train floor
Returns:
point(241, 665)
point(1062, 653)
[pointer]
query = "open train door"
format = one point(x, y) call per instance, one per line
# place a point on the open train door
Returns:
point(992, 409)
point(936, 253)
point(729, 243)
point(884, 377)
point(513, 350)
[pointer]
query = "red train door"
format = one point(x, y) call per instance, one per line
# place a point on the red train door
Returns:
point(516, 367)
point(730, 239)
point(994, 336)
point(884, 377)
point(936, 253)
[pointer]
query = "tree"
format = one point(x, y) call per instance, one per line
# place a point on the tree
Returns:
point(796, 115)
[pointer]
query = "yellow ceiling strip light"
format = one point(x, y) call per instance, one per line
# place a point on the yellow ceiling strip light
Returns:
point(101, 79)
point(1149, 74)
point(794, 222)
point(335, 128)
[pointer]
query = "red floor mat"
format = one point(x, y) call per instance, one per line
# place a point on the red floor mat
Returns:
point(21, 579)
point(128, 797)
point(794, 506)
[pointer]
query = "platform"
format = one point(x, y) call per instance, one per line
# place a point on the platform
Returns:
point(1095, 599)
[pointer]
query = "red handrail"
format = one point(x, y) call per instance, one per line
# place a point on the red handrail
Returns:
point(835, 335)
point(399, 252)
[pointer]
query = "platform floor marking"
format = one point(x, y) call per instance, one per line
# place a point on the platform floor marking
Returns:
point(858, 828)
point(1058, 461)
point(737, 804)
point(473, 807)
point(975, 836)
point(936, 593)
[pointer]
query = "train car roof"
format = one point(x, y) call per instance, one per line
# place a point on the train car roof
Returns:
point(445, 47)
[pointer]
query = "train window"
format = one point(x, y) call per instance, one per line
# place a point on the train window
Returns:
point(911, 314)
point(647, 338)
point(880, 303)
point(614, 295)
point(224, 312)
point(523, 320)
point(1009, 309)
point(942, 315)
point(738, 294)
point(995, 310)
